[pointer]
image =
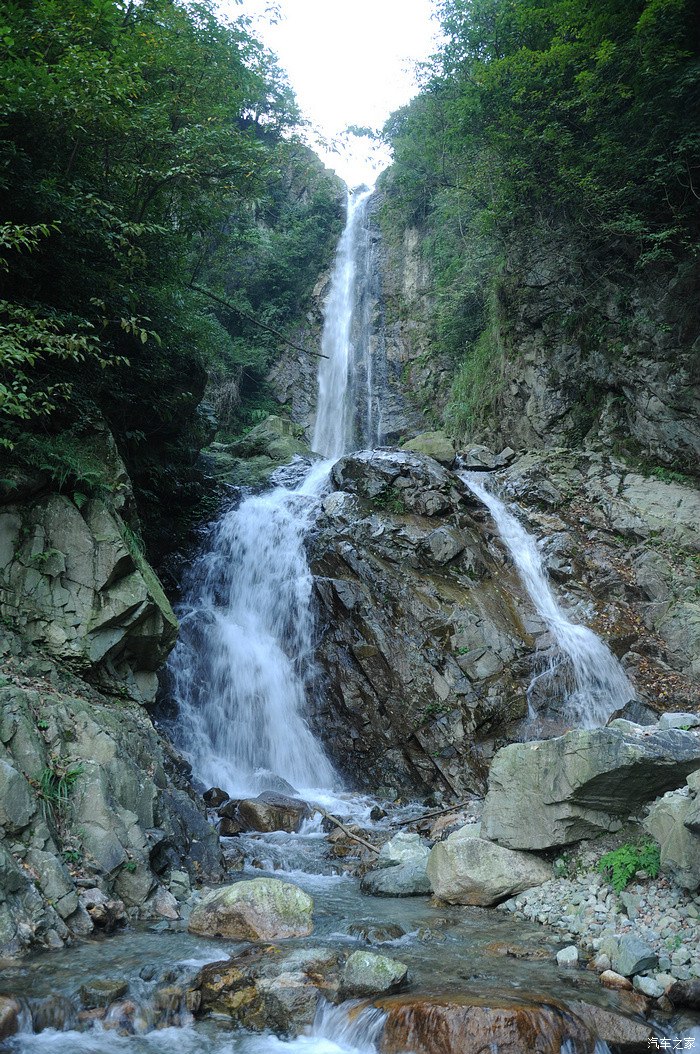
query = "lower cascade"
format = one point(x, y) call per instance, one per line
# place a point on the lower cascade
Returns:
point(244, 661)
point(597, 685)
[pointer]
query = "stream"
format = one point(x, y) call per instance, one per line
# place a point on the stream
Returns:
point(471, 952)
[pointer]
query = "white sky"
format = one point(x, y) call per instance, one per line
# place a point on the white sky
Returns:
point(350, 62)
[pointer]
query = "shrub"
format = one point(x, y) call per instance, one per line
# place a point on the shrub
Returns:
point(620, 865)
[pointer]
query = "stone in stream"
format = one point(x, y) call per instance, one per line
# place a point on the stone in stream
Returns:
point(262, 909)
point(366, 974)
point(273, 812)
point(612, 979)
point(259, 990)
point(215, 796)
point(101, 992)
point(553, 792)
point(685, 994)
point(401, 869)
point(9, 1016)
point(614, 1028)
point(376, 932)
point(568, 957)
point(460, 1024)
point(469, 870)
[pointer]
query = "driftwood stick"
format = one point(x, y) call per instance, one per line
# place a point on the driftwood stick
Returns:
point(429, 815)
point(255, 321)
point(344, 829)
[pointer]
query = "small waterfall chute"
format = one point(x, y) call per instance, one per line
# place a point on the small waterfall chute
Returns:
point(598, 684)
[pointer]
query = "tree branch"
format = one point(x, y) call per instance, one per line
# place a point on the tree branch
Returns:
point(255, 321)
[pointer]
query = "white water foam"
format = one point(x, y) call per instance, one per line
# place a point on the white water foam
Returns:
point(599, 685)
point(244, 661)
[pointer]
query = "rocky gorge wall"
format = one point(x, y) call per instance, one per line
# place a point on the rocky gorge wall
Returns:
point(98, 822)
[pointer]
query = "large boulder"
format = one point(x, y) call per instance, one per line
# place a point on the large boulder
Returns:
point(470, 1025)
point(420, 649)
point(401, 869)
point(673, 821)
point(469, 870)
point(263, 909)
point(433, 444)
point(272, 812)
point(554, 792)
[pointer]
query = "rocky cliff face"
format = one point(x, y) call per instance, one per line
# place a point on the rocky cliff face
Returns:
point(97, 819)
point(429, 640)
point(73, 580)
point(599, 354)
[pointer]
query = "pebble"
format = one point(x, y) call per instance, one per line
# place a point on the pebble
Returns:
point(568, 957)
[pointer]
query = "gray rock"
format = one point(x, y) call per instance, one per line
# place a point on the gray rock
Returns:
point(399, 880)
point(679, 721)
point(667, 823)
point(568, 957)
point(263, 909)
point(648, 986)
point(81, 581)
point(468, 870)
point(17, 805)
point(479, 457)
point(554, 792)
point(633, 956)
point(403, 848)
point(368, 974)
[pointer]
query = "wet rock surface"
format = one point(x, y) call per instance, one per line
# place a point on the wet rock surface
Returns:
point(418, 632)
point(455, 1025)
point(97, 812)
point(263, 909)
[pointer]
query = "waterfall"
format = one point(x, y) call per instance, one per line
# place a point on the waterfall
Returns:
point(599, 685)
point(347, 414)
point(244, 660)
point(244, 663)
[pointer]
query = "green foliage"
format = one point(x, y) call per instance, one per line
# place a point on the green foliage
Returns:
point(143, 147)
point(475, 385)
point(389, 500)
point(534, 115)
point(620, 865)
point(55, 785)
